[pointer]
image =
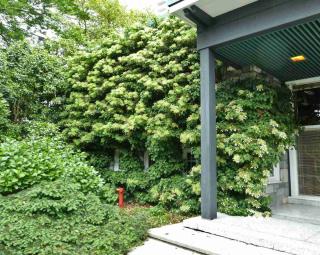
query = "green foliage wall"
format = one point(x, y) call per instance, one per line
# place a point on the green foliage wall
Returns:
point(255, 125)
point(140, 91)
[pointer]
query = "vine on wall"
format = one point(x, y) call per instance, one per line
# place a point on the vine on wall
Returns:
point(139, 91)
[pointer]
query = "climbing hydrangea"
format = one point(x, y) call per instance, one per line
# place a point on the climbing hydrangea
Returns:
point(133, 88)
point(139, 90)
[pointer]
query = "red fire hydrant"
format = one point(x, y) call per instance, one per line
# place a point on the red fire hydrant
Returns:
point(121, 197)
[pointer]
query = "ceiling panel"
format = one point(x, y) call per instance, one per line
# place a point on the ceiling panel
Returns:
point(272, 52)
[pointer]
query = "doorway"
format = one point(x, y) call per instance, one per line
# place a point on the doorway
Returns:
point(307, 106)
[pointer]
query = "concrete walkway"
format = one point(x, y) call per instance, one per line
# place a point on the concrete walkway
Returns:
point(235, 236)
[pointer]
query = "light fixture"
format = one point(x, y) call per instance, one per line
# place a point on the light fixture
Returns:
point(299, 58)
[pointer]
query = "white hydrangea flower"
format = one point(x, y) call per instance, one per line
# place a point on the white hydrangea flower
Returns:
point(260, 87)
point(236, 158)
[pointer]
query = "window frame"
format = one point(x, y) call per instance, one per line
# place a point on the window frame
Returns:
point(275, 174)
point(190, 162)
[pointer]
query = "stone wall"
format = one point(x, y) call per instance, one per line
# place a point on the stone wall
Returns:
point(249, 72)
point(279, 189)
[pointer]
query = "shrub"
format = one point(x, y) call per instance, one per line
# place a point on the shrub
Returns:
point(130, 162)
point(99, 160)
point(173, 193)
point(27, 162)
point(36, 129)
point(138, 183)
point(58, 218)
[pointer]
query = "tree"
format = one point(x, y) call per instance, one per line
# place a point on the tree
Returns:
point(20, 18)
point(89, 21)
point(31, 81)
point(27, 18)
point(4, 114)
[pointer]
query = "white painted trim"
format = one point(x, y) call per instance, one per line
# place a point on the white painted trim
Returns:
point(182, 5)
point(213, 8)
point(177, 10)
point(146, 160)
point(311, 128)
point(301, 82)
point(293, 155)
point(116, 166)
point(294, 179)
point(276, 177)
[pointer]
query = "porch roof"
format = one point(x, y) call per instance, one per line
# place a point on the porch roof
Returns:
point(266, 33)
point(262, 33)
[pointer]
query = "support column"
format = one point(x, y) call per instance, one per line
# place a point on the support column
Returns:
point(208, 136)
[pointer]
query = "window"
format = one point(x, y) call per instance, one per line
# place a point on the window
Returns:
point(146, 160)
point(189, 158)
point(308, 106)
point(279, 171)
point(116, 161)
point(275, 174)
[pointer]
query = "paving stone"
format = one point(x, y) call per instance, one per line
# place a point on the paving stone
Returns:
point(280, 235)
point(155, 247)
point(236, 236)
point(208, 244)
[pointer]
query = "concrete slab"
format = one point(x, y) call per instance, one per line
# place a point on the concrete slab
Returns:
point(155, 247)
point(204, 243)
point(275, 234)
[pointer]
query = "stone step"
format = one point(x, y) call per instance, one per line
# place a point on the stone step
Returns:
point(298, 213)
point(205, 243)
point(156, 247)
point(273, 234)
point(304, 200)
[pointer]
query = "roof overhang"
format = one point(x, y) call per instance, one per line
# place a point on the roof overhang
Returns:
point(213, 8)
point(265, 33)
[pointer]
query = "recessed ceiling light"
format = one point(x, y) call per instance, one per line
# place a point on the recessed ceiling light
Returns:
point(299, 58)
